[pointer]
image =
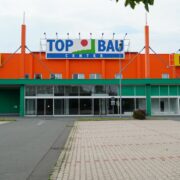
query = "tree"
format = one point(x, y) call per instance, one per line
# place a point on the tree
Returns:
point(133, 3)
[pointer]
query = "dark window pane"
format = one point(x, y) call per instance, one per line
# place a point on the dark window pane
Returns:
point(40, 107)
point(30, 90)
point(100, 89)
point(73, 106)
point(112, 90)
point(85, 106)
point(44, 90)
point(75, 76)
point(128, 105)
point(71, 90)
point(100, 107)
point(113, 105)
point(26, 76)
point(38, 76)
point(59, 106)
point(49, 106)
point(85, 90)
point(59, 90)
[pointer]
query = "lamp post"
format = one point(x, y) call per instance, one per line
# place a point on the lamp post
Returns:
point(120, 88)
point(121, 45)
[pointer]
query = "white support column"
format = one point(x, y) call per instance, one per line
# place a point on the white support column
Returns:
point(178, 105)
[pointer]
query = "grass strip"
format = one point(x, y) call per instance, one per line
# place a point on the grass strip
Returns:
point(103, 119)
point(7, 119)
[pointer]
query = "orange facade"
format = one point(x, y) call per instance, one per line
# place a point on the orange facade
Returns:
point(15, 66)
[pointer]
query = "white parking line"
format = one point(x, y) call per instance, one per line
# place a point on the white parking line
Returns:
point(40, 123)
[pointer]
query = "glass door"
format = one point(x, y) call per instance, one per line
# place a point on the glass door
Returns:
point(48, 107)
point(40, 106)
point(44, 107)
point(100, 107)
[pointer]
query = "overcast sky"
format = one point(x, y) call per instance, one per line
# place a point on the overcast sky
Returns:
point(90, 16)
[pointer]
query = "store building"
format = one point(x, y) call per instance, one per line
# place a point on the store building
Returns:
point(60, 82)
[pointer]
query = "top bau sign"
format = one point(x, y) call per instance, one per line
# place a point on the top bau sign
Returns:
point(84, 49)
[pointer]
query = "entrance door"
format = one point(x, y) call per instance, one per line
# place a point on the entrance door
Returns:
point(40, 106)
point(44, 107)
point(100, 106)
point(48, 107)
point(113, 106)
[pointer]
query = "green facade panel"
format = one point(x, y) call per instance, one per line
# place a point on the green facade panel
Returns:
point(12, 97)
point(173, 90)
point(155, 90)
point(178, 90)
point(164, 90)
point(140, 90)
point(148, 100)
point(89, 81)
point(9, 101)
point(127, 90)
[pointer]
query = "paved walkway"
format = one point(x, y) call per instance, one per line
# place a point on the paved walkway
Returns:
point(127, 150)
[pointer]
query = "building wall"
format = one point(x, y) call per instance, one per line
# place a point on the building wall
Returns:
point(133, 66)
point(151, 93)
point(9, 101)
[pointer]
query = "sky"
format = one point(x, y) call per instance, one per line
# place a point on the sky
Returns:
point(89, 16)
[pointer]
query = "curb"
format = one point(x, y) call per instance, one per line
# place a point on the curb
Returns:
point(63, 154)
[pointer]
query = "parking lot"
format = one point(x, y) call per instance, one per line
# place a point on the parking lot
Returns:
point(30, 147)
point(129, 149)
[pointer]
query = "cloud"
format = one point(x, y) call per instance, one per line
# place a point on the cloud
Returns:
point(95, 16)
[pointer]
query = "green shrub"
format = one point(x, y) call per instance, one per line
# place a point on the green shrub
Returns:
point(139, 114)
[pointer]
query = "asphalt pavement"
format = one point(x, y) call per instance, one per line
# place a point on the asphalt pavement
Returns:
point(30, 147)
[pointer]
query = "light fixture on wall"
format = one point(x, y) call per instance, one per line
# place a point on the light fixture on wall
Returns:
point(113, 35)
point(45, 35)
point(102, 35)
point(56, 35)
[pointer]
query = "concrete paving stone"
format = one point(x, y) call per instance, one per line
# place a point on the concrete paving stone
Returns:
point(127, 150)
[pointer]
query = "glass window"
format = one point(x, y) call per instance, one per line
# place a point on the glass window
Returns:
point(30, 106)
point(85, 106)
point(141, 104)
point(73, 106)
point(100, 107)
point(165, 76)
point(100, 89)
point(95, 76)
point(155, 106)
point(75, 76)
point(113, 105)
point(112, 90)
point(118, 76)
point(86, 90)
point(44, 90)
point(30, 91)
point(164, 105)
point(128, 105)
point(173, 105)
point(58, 106)
point(56, 76)
point(59, 90)
point(38, 76)
point(26, 76)
point(71, 90)
point(78, 76)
